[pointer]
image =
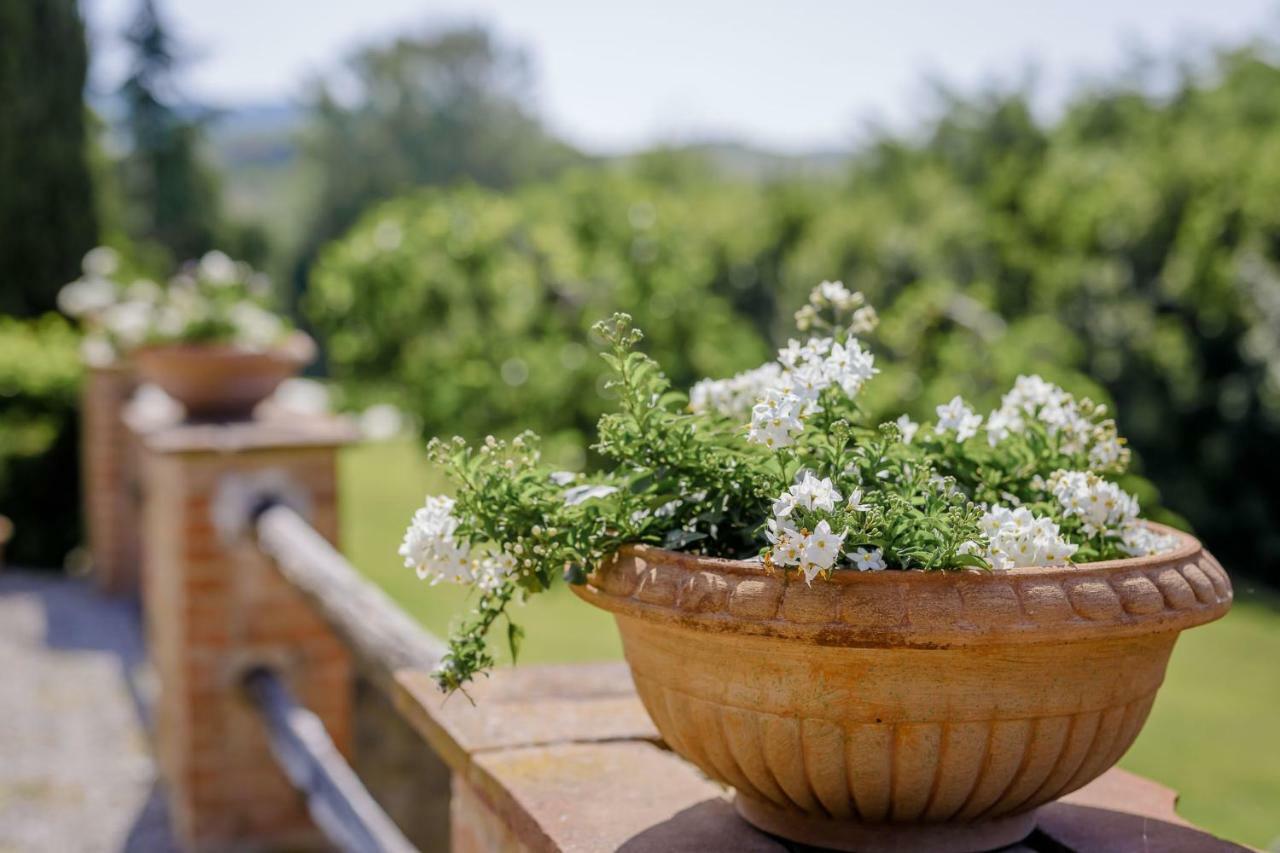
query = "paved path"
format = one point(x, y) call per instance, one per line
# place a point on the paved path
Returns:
point(76, 772)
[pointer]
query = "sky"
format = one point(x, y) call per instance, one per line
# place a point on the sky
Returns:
point(799, 75)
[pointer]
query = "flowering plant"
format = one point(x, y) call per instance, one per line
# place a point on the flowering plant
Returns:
point(213, 300)
point(778, 464)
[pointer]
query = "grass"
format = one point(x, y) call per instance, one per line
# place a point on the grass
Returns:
point(1214, 734)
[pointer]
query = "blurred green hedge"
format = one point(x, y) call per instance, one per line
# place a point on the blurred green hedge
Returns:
point(39, 474)
point(473, 308)
point(1136, 241)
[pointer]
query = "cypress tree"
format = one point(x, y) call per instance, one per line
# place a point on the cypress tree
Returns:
point(47, 219)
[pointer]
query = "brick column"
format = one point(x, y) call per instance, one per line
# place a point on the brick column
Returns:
point(216, 606)
point(110, 488)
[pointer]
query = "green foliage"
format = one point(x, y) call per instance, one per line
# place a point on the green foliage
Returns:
point(39, 379)
point(474, 306)
point(1137, 241)
point(685, 472)
point(46, 197)
point(1130, 252)
point(432, 110)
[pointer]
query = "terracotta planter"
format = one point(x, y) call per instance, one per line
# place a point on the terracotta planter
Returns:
point(903, 710)
point(219, 380)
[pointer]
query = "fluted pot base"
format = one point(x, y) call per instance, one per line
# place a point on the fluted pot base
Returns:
point(851, 835)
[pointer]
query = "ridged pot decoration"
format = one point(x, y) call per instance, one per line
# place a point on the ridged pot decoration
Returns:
point(222, 380)
point(903, 710)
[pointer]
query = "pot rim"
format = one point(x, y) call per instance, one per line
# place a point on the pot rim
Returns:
point(1170, 591)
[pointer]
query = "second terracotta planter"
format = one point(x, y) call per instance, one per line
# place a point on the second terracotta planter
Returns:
point(903, 710)
point(220, 380)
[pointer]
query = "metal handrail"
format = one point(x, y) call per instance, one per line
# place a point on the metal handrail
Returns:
point(383, 640)
point(338, 802)
point(383, 637)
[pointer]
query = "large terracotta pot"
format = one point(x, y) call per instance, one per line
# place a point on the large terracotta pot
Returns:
point(220, 380)
point(903, 710)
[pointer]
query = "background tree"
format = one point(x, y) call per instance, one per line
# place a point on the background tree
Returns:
point(46, 196)
point(436, 110)
point(174, 199)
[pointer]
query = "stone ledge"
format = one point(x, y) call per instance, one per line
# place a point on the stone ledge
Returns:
point(269, 432)
point(523, 707)
point(564, 759)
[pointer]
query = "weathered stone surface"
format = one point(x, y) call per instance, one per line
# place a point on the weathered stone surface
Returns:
point(629, 796)
point(276, 430)
point(561, 758)
point(525, 706)
point(76, 769)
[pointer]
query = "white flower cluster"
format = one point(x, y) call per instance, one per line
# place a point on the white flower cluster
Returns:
point(957, 417)
point(1075, 422)
point(1102, 506)
point(735, 396)
point(432, 549)
point(833, 294)
point(1106, 510)
point(1018, 537)
point(806, 370)
point(125, 317)
point(780, 394)
point(810, 493)
point(820, 549)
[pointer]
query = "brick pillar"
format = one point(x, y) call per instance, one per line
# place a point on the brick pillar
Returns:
point(110, 487)
point(216, 606)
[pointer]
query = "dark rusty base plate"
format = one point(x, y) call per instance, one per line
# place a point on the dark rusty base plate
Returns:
point(886, 837)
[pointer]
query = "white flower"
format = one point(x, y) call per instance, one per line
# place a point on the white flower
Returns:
point(429, 546)
point(907, 427)
point(849, 366)
point(100, 262)
point(1000, 424)
point(735, 396)
point(87, 296)
point(776, 420)
point(491, 570)
point(956, 416)
point(1075, 423)
point(1103, 507)
point(129, 323)
point(563, 478)
point(1108, 450)
point(821, 550)
point(787, 542)
point(256, 328)
point(1138, 540)
point(855, 502)
point(865, 560)
point(1017, 537)
point(812, 493)
point(785, 503)
point(796, 355)
point(217, 268)
point(864, 321)
point(835, 294)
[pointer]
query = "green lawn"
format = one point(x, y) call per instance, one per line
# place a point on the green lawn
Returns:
point(1214, 734)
